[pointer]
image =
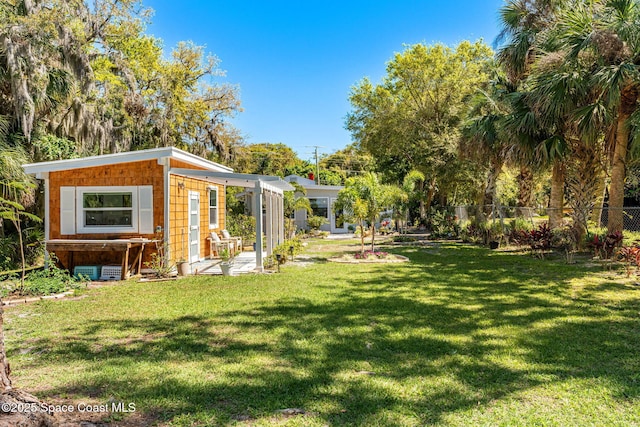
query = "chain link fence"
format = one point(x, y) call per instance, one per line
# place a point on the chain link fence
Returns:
point(593, 217)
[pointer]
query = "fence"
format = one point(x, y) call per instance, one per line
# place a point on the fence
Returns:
point(594, 217)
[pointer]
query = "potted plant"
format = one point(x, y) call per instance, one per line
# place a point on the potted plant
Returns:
point(183, 267)
point(226, 263)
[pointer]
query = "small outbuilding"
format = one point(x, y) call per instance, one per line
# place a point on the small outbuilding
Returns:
point(119, 209)
point(321, 198)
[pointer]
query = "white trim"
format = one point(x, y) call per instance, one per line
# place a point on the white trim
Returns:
point(334, 229)
point(125, 157)
point(47, 217)
point(81, 228)
point(328, 216)
point(272, 183)
point(193, 257)
point(213, 225)
point(47, 207)
point(269, 186)
point(167, 204)
point(257, 202)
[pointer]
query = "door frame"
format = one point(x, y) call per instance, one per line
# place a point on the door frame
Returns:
point(332, 214)
point(194, 257)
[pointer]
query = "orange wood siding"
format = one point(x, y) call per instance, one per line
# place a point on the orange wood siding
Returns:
point(135, 174)
point(124, 174)
point(179, 215)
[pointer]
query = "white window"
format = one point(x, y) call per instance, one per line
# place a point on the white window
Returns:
point(213, 207)
point(320, 206)
point(101, 210)
point(107, 209)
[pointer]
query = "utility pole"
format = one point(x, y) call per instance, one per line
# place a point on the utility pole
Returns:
point(317, 168)
point(317, 164)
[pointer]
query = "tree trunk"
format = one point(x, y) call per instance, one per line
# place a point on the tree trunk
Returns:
point(583, 171)
point(422, 209)
point(12, 399)
point(22, 259)
point(629, 97)
point(5, 382)
point(596, 214)
point(525, 191)
point(556, 202)
point(431, 191)
point(361, 237)
point(373, 234)
point(490, 189)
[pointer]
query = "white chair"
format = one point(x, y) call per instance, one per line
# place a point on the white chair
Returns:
point(216, 245)
point(236, 240)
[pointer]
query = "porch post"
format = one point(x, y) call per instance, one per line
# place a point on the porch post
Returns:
point(281, 236)
point(257, 203)
point(269, 221)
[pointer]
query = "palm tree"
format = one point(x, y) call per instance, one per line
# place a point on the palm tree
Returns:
point(362, 199)
point(483, 136)
point(602, 38)
point(294, 201)
point(405, 193)
point(525, 24)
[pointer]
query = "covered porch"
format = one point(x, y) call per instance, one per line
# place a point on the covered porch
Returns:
point(244, 263)
point(267, 206)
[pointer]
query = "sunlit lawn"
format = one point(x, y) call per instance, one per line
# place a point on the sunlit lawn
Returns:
point(458, 336)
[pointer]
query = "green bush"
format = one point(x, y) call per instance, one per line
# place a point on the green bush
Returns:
point(315, 222)
point(443, 223)
point(51, 280)
point(474, 231)
point(285, 249)
point(243, 226)
point(8, 249)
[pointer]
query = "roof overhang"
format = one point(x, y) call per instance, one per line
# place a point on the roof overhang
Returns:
point(126, 157)
point(323, 187)
point(245, 180)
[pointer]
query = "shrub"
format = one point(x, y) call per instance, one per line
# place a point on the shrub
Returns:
point(603, 245)
point(315, 222)
point(288, 248)
point(443, 223)
point(564, 238)
point(243, 226)
point(51, 280)
point(519, 231)
point(474, 232)
point(630, 255)
point(160, 263)
point(8, 249)
point(496, 230)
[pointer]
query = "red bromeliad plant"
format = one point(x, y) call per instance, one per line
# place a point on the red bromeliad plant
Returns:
point(604, 245)
point(630, 255)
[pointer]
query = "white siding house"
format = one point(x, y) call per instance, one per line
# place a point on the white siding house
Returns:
point(321, 198)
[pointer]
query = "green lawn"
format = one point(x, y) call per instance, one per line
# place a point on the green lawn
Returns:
point(458, 336)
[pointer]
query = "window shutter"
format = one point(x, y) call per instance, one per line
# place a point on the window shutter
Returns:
point(145, 209)
point(67, 210)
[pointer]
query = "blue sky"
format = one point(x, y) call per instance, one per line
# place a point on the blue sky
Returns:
point(295, 61)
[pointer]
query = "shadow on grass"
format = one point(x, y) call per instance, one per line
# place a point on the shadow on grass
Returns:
point(453, 329)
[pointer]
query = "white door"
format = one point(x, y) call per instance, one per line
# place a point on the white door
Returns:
point(194, 226)
point(337, 221)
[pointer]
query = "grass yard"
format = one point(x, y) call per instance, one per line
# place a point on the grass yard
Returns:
point(459, 336)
